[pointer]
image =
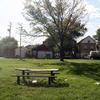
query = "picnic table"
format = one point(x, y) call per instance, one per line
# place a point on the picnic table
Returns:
point(26, 73)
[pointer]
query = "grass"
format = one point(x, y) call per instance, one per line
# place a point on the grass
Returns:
point(76, 80)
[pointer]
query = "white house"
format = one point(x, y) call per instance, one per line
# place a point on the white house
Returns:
point(23, 51)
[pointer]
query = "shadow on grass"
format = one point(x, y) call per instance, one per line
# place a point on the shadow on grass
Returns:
point(0, 68)
point(58, 83)
point(91, 70)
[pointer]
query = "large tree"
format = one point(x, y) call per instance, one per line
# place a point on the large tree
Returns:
point(56, 18)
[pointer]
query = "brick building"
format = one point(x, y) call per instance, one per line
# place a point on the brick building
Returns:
point(86, 45)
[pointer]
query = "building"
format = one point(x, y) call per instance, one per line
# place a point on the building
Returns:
point(29, 52)
point(42, 51)
point(85, 46)
point(21, 52)
point(78, 50)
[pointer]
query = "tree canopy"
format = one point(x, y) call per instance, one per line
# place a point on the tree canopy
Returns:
point(57, 18)
point(7, 46)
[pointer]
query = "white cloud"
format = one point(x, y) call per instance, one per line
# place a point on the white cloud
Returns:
point(93, 11)
point(94, 17)
point(98, 0)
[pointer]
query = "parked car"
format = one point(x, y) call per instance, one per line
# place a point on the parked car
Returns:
point(94, 55)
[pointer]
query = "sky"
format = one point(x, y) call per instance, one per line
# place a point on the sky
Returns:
point(11, 11)
point(93, 9)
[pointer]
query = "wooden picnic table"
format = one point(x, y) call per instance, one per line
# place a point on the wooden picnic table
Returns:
point(25, 72)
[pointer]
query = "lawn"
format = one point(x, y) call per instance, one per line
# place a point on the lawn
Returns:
point(78, 80)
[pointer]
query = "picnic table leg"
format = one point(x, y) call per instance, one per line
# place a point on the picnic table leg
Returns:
point(18, 80)
point(28, 76)
point(49, 80)
point(52, 79)
point(23, 73)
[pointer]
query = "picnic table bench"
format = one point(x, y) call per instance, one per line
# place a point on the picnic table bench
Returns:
point(27, 73)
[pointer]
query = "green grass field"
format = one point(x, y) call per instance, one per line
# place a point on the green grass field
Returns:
point(78, 80)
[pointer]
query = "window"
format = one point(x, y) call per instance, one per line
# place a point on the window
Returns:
point(88, 41)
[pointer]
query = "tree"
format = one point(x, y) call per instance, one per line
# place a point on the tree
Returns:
point(98, 35)
point(51, 45)
point(8, 46)
point(97, 38)
point(57, 18)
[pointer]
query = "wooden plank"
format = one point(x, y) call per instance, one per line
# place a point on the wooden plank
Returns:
point(36, 70)
point(31, 76)
point(43, 72)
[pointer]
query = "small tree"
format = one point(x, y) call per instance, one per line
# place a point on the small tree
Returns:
point(98, 35)
point(97, 38)
point(8, 46)
point(56, 18)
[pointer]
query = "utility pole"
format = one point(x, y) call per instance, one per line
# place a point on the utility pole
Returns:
point(9, 29)
point(21, 29)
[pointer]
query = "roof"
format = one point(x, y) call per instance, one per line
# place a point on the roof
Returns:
point(29, 46)
point(86, 38)
point(42, 48)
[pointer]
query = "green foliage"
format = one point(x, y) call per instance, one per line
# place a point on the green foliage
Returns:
point(8, 42)
point(98, 34)
point(7, 46)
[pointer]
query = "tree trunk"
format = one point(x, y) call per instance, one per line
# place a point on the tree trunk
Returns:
point(53, 54)
point(61, 51)
point(61, 55)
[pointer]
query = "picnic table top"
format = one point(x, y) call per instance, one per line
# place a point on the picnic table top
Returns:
point(36, 70)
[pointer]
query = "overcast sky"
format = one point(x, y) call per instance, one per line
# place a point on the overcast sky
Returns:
point(11, 11)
